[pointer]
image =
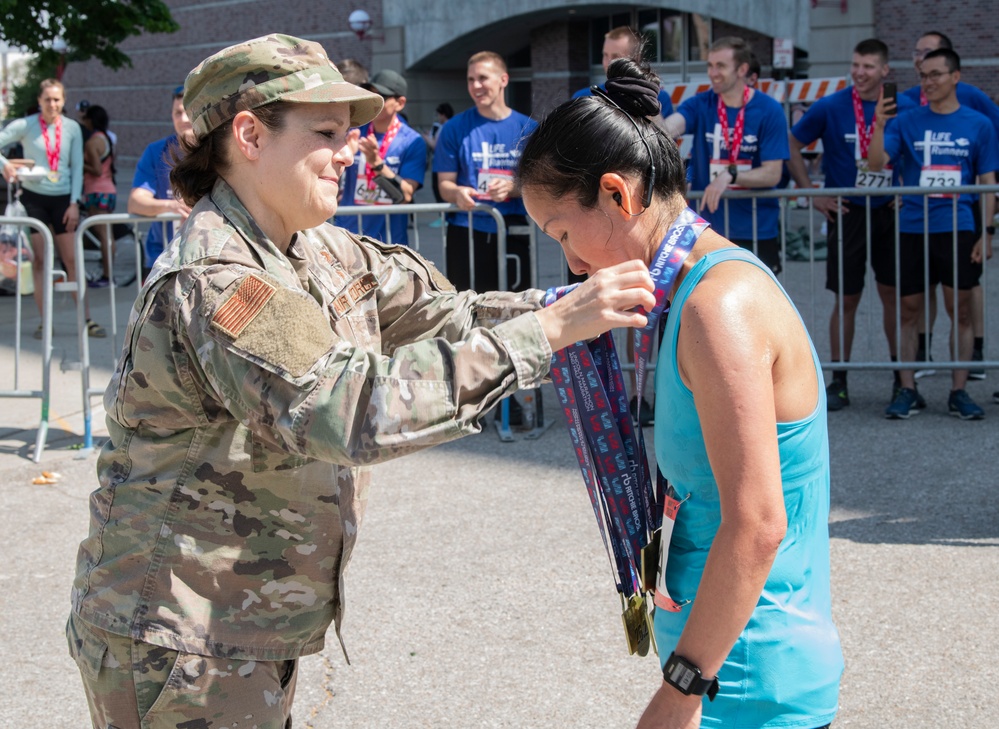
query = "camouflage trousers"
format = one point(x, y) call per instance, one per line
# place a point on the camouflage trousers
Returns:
point(135, 685)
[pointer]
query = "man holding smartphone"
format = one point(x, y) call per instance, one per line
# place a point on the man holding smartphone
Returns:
point(843, 121)
point(943, 144)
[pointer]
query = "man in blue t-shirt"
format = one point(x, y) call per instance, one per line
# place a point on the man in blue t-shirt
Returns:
point(623, 42)
point(476, 160)
point(843, 122)
point(739, 142)
point(151, 193)
point(941, 145)
point(389, 164)
point(973, 98)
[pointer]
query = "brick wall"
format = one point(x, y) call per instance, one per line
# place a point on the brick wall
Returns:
point(970, 24)
point(138, 98)
point(560, 64)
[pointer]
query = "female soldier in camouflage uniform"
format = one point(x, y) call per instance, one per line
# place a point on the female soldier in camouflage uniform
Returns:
point(269, 359)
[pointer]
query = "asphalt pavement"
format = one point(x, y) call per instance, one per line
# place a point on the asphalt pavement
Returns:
point(479, 593)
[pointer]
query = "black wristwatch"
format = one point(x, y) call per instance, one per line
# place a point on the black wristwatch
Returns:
point(685, 677)
point(378, 167)
point(990, 229)
point(734, 172)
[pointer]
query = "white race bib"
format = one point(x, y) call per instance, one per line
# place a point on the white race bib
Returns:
point(488, 175)
point(363, 195)
point(867, 178)
point(940, 176)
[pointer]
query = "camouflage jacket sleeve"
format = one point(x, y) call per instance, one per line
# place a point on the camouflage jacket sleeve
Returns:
point(313, 378)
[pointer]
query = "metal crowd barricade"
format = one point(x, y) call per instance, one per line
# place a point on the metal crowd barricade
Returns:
point(815, 287)
point(440, 210)
point(108, 221)
point(47, 287)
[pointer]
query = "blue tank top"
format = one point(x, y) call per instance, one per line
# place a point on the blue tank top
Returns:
point(784, 669)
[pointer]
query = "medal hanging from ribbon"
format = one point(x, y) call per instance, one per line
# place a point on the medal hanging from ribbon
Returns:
point(735, 143)
point(611, 450)
point(52, 152)
point(394, 127)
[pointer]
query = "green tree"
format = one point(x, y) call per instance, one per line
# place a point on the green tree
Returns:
point(90, 28)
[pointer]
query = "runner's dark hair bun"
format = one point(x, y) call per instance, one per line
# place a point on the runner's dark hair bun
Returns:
point(634, 88)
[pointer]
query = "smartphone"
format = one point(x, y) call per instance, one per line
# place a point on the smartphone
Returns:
point(891, 93)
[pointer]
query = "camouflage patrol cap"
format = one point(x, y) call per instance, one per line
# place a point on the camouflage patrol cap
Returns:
point(267, 69)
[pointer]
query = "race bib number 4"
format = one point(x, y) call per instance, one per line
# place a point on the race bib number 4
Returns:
point(940, 177)
point(486, 176)
point(720, 167)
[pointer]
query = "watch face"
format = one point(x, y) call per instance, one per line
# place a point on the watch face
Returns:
point(732, 169)
point(680, 675)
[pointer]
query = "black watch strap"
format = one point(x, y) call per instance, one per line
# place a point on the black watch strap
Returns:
point(990, 229)
point(378, 167)
point(686, 678)
point(733, 172)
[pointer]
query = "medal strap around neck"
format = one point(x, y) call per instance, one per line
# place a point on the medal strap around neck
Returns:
point(864, 131)
point(666, 264)
point(52, 152)
point(393, 129)
point(735, 143)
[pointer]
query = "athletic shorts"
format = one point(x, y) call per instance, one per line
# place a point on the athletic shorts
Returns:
point(103, 202)
point(940, 262)
point(47, 208)
point(855, 249)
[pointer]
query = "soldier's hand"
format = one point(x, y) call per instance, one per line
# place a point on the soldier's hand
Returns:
point(617, 296)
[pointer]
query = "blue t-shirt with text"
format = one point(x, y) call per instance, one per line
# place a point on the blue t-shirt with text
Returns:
point(963, 141)
point(471, 145)
point(406, 156)
point(764, 139)
point(832, 120)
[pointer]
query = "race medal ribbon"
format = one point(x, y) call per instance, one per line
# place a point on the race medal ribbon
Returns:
point(610, 449)
point(52, 153)
point(665, 265)
point(394, 127)
point(718, 166)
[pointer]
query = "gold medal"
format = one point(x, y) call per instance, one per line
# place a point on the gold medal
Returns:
point(650, 562)
point(53, 176)
point(650, 617)
point(636, 625)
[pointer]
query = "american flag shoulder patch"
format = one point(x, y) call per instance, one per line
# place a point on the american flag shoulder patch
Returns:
point(243, 306)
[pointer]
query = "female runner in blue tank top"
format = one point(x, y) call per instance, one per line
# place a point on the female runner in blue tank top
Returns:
point(740, 422)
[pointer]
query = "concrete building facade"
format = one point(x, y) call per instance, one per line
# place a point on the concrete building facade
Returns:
point(552, 46)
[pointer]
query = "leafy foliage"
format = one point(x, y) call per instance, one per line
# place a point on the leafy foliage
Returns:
point(90, 28)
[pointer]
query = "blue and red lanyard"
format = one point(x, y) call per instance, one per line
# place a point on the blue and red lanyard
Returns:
point(610, 449)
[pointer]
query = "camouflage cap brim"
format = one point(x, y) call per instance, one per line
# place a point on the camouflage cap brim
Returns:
point(268, 69)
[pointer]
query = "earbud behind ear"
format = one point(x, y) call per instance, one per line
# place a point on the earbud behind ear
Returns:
point(617, 198)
